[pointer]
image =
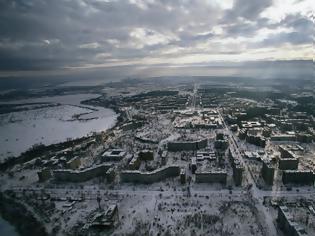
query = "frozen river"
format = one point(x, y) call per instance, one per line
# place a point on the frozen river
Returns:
point(64, 118)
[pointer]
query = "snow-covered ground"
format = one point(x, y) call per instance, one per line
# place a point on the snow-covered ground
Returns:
point(48, 125)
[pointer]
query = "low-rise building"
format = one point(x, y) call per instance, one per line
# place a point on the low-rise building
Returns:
point(303, 177)
point(113, 155)
point(146, 155)
point(81, 175)
point(287, 224)
point(221, 144)
point(164, 157)
point(218, 176)
point(238, 168)
point(193, 165)
point(134, 163)
point(242, 134)
point(105, 220)
point(256, 140)
point(234, 128)
point(175, 146)
point(304, 138)
point(110, 174)
point(150, 177)
point(288, 160)
point(206, 155)
point(288, 163)
point(268, 172)
point(283, 137)
point(44, 174)
point(183, 176)
point(74, 163)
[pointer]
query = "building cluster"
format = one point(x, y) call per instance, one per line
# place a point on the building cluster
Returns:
point(237, 166)
point(292, 126)
point(289, 164)
point(287, 223)
point(83, 175)
point(268, 172)
point(221, 142)
point(175, 146)
point(259, 122)
point(162, 101)
point(211, 176)
point(206, 166)
point(135, 161)
point(273, 123)
point(160, 174)
point(288, 160)
point(113, 155)
point(183, 138)
point(253, 133)
point(202, 119)
point(103, 220)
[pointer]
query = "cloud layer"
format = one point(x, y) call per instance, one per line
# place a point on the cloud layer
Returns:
point(44, 35)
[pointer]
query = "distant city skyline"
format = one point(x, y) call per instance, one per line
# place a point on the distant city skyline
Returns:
point(85, 34)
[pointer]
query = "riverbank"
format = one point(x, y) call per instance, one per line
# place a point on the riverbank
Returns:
point(18, 215)
point(51, 124)
point(38, 150)
point(6, 228)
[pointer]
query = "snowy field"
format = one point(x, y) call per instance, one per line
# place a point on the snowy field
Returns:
point(66, 118)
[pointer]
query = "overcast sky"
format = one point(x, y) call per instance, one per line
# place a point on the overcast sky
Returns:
point(53, 35)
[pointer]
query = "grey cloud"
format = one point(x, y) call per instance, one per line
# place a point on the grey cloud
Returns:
point(247, 9)
point(46, 34)
point(302, 32)
point(75, 23)
point(241, 28)
point(243, 19)
point(294, 38)
point(300, 23)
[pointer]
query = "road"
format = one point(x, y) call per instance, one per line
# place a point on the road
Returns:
point(194, 96)
point(257, 195)
point(95, 191)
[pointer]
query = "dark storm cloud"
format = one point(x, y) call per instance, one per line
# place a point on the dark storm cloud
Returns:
point(43, 34)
